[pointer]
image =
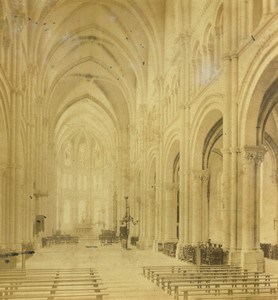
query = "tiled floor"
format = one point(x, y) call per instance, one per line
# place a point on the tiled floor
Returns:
point(120, 269)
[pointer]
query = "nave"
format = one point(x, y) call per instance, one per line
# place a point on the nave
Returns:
point(119, 269)
point(159, 117)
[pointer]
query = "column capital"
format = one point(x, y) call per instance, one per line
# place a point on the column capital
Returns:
point(234, 150)
point(254, 153)
point(202, 175)
point(226, 151)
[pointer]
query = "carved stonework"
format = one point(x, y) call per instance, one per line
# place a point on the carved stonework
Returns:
point(202, 175)
point(254, 154)
point(184, 39)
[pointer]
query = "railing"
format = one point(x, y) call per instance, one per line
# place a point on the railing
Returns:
point(204, 254)
point(58, 239)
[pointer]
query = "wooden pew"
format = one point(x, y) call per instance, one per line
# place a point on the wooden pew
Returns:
point(173, 283)
point(65, 295)
point(52, 284)
point(151, 272)
point(148, 269)
point(228, 289)
point(181, 282)
point(240, 297)
point(195, 273)
point(198, 282)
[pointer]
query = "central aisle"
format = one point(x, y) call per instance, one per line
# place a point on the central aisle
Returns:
point(120, 269)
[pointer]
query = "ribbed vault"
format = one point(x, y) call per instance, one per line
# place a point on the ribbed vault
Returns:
point(93, 61)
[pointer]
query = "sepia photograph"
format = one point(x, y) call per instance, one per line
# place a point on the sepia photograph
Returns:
point(139, 149)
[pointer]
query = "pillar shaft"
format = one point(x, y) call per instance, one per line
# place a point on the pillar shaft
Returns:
point(252, 159)
point(170, 190)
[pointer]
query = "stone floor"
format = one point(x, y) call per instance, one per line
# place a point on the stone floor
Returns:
point(120, 269)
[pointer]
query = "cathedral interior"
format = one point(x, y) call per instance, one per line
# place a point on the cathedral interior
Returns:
point(149, 125)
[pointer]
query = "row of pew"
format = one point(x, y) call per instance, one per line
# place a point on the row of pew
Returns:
point(59, 239)
point(189, 282)
point(108, 237)
point(203, 254)
point(70, 284)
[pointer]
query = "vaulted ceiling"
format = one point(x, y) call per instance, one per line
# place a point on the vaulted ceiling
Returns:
point(93, 61)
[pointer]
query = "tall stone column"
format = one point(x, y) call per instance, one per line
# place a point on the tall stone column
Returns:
point(234, 186)
point(150, 213)
point(169, 213)
point(196, 208)
point(159, 195)
point(3, 207)
point(275, 181)
point(199, 207)
point(252, 256)
point(204, 207)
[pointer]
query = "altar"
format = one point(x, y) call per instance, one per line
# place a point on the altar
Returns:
point(83, 229)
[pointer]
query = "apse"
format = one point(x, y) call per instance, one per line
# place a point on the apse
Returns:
point(85, 140)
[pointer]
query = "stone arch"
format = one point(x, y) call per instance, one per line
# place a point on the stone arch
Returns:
point(212, 196)
point(209, 51)
point(219, 34)
point(172, 150)
point(206, 117)
point(198, 66)
point(259, 102)
point(269, 101)
point(206, 132)
point(213, 136)
point(260, 77)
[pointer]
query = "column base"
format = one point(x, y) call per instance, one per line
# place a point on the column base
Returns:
point(253, 260)
point(145, 243)
point(234, 258)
